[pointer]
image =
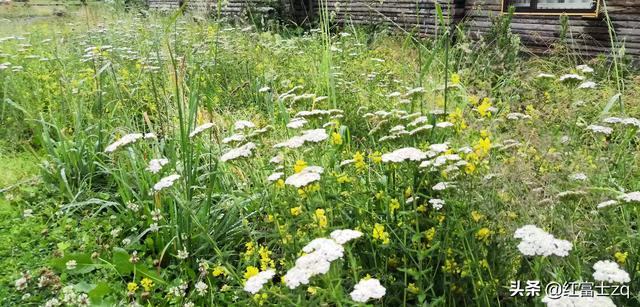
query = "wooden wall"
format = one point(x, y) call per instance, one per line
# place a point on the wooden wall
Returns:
point(588, 36)
point(400, 14)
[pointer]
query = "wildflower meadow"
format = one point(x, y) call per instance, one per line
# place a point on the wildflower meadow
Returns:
point(166, 159)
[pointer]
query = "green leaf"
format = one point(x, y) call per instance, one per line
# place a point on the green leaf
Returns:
point(98, 292)
point(121, 261)
point(84, 287)
point(611, 102)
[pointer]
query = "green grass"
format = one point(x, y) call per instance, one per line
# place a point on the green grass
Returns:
point(77, 84)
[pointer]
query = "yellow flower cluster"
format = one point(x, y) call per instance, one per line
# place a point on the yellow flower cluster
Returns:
point(380, 234)
point(321, 218)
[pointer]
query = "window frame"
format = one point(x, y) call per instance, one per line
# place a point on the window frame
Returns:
point(553, 12)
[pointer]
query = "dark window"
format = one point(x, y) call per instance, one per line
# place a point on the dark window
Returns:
point(573, 7)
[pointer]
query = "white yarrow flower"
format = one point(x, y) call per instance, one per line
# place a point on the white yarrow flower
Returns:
point(243, 124)
point(367, 289)
point(235, 153)
point(124, 141)
point(600, 129)
point(436, 203)
point(403, 154)
point(578, 177)
point(275, 176)
point(308, 175)
point(607, 203)
point(234, 138)
point(166, 182)
point(71, 264)
point(571, 77)
point(537, 242)
point(587, 85)
point(255, 283)
point(609, 271)
point(315, 135)
point(343, 236)
point(156, 165)
point(200, 129)
point(296, 123)
point(584, 68)
point(630, 197)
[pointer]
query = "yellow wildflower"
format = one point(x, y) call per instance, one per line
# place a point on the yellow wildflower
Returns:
point(280, 183)
point(393, 206)
point(295, 211)
point(250, 272)
point(132, 287)
point(482, 147)
point(299, 166)
point(359, 163)
point(375, 157)
point(265, 258)
point(312, 290)
point(379, 234)
point(147, 284)
point(321, 218)
point(343, 178)
point(430, 234)
point(455, 79)
point(621, 258)
point(413, 289)
point(250, 250)
point(476, 216)
point(218, 271)
point(483, 234)
point(483, 108)
point(336, 138)
point(407, 192)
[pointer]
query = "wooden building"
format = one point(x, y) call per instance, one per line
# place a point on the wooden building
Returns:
point(536, 21)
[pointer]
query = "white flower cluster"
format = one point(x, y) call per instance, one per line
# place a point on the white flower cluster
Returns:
point(578, 177)
point(308, 175)
point(630, 197)
point(255, 283)
point(126, 140)
point(367, 289)
point(571, 77)
point(243, 124)
point(536, 241)
point(600, 129)
point(436, 203)
point(315, 136)
point(587, 85)
point(200, 129)
point(403, 154)
point(234, 138)
point(606, 203)
point(584, 68)
point(235, 153)
point(609, 271)
point(343, 236)
point(156, 165)
point(576, 300)
point(165, 182)
point(629, 121)
point(441, 186)
point(296, 123)
point(319, 254)
point(275, 176)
